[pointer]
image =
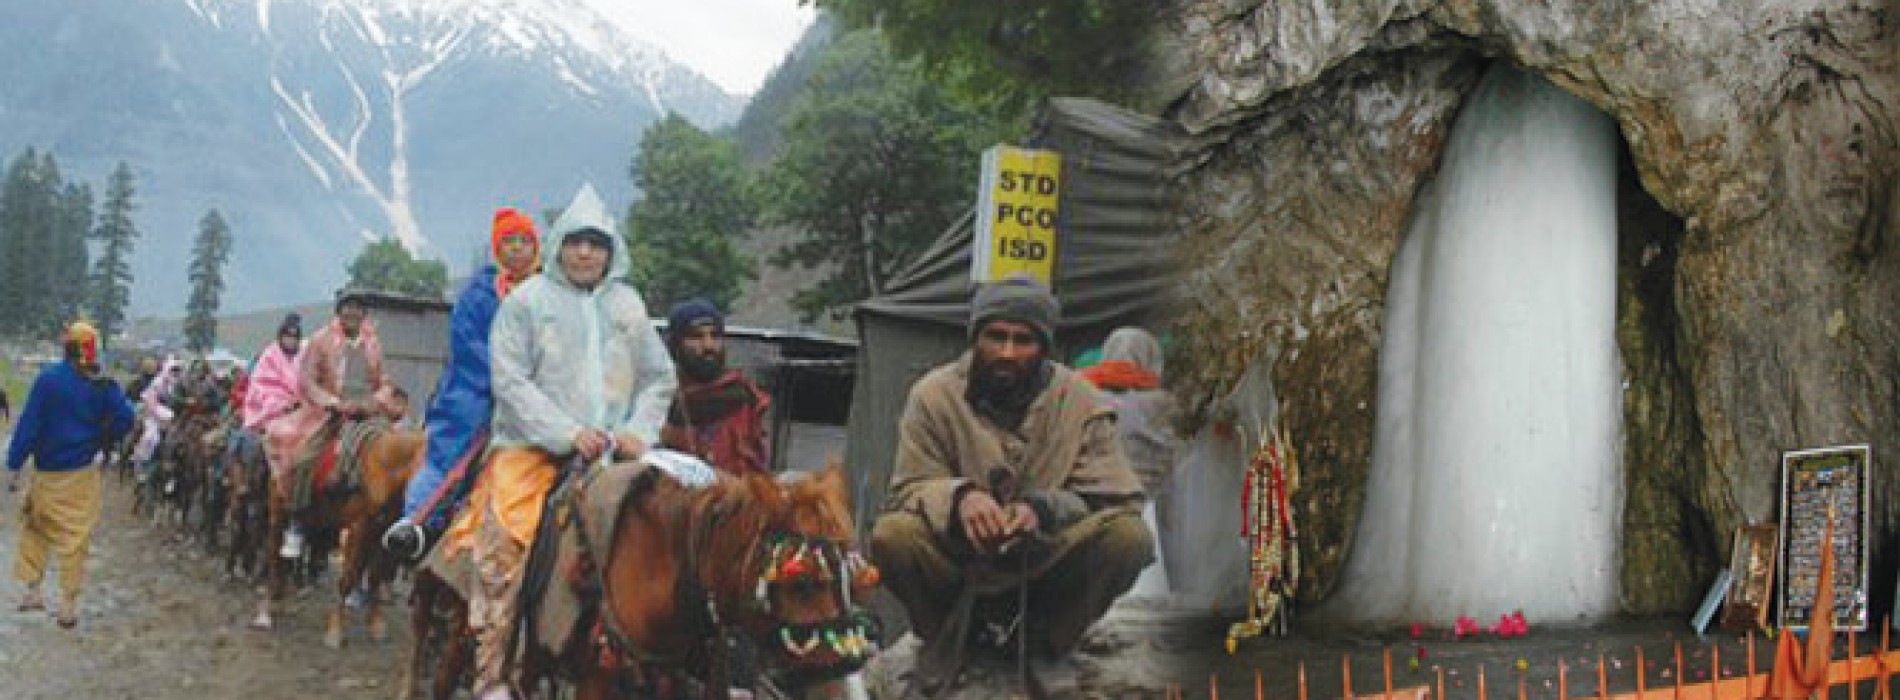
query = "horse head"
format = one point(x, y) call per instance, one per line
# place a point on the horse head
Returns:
point(806, 577)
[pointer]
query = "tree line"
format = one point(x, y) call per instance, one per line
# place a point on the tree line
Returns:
point(63, 259)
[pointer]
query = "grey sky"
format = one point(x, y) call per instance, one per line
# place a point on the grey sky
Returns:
point(733, 42)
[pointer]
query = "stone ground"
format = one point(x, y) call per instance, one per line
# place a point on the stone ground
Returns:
point(160, 621)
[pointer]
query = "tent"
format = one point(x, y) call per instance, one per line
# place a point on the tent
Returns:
point(1114, 233)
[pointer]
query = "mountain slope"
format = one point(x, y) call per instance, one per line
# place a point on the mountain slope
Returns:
point(315, 125)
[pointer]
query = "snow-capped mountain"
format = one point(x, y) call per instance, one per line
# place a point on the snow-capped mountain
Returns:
point(315, 125)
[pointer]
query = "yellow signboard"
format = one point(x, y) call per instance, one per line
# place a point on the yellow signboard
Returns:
point(1016, 215)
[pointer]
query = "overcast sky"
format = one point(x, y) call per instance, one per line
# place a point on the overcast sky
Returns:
point(733, 42)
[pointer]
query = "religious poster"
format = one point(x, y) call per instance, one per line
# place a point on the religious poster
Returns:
point(1814, 483)
point(1753, 563)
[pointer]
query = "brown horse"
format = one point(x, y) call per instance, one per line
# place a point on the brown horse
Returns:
point(358, 515)
point(775, 561)
point(772, 560)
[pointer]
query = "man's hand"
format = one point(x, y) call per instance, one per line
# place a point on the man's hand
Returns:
point(985, 523)
point(1023, 519)
point(590, 443)
point(628, 447)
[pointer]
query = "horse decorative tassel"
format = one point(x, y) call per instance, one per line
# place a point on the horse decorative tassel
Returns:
point(1272, 540)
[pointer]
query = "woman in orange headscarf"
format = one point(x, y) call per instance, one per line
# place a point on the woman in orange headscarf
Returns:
point(458, 414)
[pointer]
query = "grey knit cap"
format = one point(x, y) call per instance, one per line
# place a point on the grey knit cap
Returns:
point(1018, 298)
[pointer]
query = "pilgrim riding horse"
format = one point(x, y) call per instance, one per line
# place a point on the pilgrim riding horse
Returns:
point(667, 573)
point(382, 462)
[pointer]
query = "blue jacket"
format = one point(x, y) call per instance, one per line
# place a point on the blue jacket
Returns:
point(61, 425)
point(462, 400)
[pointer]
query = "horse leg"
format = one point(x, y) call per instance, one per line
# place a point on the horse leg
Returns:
point(346, 583)
point(458, 652)
point(273, 565)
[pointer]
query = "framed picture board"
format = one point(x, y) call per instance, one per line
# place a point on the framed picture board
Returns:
point(1753, 564)
point(1812, 483)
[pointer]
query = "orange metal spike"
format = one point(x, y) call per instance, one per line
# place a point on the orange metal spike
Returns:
point(1345, 673)
point(1388, 673)
point(1520, 685)
point(1750, 683)
point(1259, 686)
point(1853, 656)
point(1715, 671)
point(1563, 681)
point(1481, 683)
point(1213, 686)
point(1642, 683)
point(1603, 679)
point(1441, 685)
point(1678, 670)
point(1302, 680)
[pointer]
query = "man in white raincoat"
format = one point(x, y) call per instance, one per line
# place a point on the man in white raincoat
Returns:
point(577, 368)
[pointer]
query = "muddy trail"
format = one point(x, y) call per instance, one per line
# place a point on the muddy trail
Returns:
point(159, 620)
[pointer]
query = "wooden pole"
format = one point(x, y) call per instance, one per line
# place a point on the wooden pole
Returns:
point(1481, 682)
point(1213, 686)
point(1259, 686)
point(1302, 680)
point(1678, 695)
point(1563, 681)
point(1441, 685)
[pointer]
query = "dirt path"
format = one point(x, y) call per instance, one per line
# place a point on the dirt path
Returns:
point(160, 621)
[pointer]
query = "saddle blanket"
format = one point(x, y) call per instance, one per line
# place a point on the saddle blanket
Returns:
point(596, 497)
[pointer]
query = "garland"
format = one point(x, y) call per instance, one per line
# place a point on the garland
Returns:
point(1267, 529)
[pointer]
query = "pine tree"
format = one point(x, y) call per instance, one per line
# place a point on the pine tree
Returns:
point(17, 256)
point(111, 281)
point(208, 255)
point(70, 293)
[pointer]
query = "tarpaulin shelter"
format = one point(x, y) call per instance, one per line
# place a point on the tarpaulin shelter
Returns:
point(1114, 239)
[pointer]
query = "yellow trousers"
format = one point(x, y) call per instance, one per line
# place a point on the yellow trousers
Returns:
point(57, 516)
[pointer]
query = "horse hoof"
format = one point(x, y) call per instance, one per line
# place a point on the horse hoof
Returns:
point(378, 632)
point(333, 639)
point(261, 622)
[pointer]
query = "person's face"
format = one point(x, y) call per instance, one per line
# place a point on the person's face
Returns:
point(350, 316)
point(1007, 352)
point(517, 255)
point(702, 350)
point(584, 260)
point(288, 342)
point(704, 341)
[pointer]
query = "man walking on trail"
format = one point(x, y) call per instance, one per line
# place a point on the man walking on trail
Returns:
point(577, 369)
point(457, 421)
point(341, 379)
point(1010, 488)
point(719, 413)
point(71, 415)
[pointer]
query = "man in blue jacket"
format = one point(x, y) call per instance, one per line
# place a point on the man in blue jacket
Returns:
point(457, 418)
point(71, 415)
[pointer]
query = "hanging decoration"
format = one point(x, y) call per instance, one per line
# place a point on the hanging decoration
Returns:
point(1272, 540)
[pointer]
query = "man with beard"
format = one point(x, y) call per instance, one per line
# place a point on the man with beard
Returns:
point(719, 414)
point(1010, 496)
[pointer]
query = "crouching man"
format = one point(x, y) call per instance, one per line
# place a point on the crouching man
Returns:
point(1010, 496)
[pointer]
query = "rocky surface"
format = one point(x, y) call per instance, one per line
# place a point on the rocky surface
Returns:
point(1118, 659)
point(1758, 274)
